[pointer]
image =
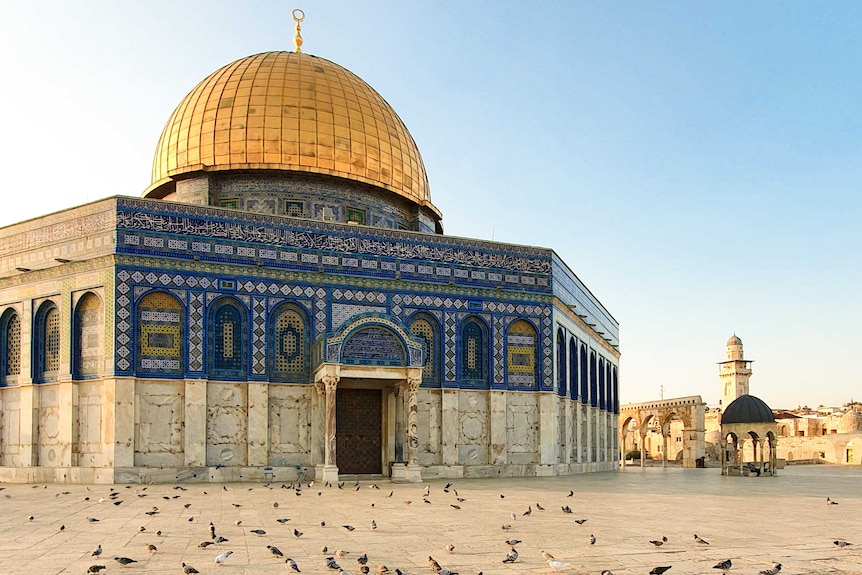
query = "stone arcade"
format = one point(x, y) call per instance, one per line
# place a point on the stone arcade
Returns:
point(283, 297)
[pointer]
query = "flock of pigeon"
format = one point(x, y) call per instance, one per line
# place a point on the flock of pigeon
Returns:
point(330, 558)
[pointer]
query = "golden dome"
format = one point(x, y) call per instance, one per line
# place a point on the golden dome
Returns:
point(290, 111)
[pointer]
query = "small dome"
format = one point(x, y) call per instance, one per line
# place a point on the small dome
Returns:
point(851, 422)
point(734, 341)
point(747, 409)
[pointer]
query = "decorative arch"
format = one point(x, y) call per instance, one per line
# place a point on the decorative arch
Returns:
point(10, 347)
point(372, 339)
point(161, 335)
point(521, 347)
point(584, 377)
point(289, 342)
point(46, 343)
point(594, 398)
point(425, 328)
point(227, 339)
point(602, 384)
point(562, 373)
point(88, 337)
point(473, 362)
point(615, 388)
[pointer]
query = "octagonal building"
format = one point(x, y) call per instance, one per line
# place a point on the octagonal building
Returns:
point(282, 300)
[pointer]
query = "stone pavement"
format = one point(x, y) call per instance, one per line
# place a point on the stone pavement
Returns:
point(753, 521)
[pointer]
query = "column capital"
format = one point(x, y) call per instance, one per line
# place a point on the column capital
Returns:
point(328, 382)
point(413, 383)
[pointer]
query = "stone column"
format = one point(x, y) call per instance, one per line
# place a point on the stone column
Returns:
point(66, 402)
point(642, 433)
point(413, 469)
point(195, 432)
point(123, 421)
point(327, 386)
point(258, 424)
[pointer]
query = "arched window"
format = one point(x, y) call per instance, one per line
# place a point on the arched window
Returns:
point(10, 361)
point(616, 389)
point(160, 335)
point(425, 329)
point(585, 391)
point(474, 368)
point(87, 355)
point(289, 345)
point(227, 339)
point(521, 354)
point(594, 396)
point(573, 368)
point(47, 343)
point(562, 373)
point(603, 400)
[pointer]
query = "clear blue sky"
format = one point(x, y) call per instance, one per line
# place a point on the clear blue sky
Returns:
point(697, 164)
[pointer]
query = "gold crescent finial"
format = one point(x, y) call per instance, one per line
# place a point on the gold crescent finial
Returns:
point(298, 17)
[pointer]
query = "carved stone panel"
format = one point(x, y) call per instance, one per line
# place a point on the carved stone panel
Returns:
point(88, 428)
point(227, 424)
point(50, 450)
point(159, 415)
point(473, 428)
point(522, 423)
point(289, 425)
point(10, 431)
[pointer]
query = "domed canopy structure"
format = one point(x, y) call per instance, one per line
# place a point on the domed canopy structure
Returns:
point(290, 112)
point(734, 340)
point(851, 422)
point(747, 409)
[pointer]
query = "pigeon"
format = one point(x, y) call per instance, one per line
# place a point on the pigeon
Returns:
point(364, 569)
point(546, 556)
point(151, 548)
point(292, 564)
point(297, 533)
point(282, 520)
point(95, 568)
point(238, 522)
point(453, 506)
point(580, 521)
point(539, 507)
point(258, 531)
point(592, 539)
point(432, 563)
point(220, 539)
point(776, 567)
point(566, 509)
point(124, 561)
point(557, 565)
point(212, 530)
point(606, 572)
point(349, 527)
point(373, 524)
point(90, 519)
point(528, 511)
point(659, 542)
point(427, 490)
point(189, 570)
point(205, 544)
point(700, 540)
point(444, 571)
point(97, 551)
point(324, 549)
point(450, 548)
point(571, 493)
point(723, 565)
point(506, 527)
point(659, 570)
point(222, 558)
point(331, 564)
point(502, 496)
point(341, 553)
point(390, 494)
point(512, 556)
point(382, 569)
point(362, 559)
point(831, 502)
point(512, 542)
point(842, 543)
point(275, 551)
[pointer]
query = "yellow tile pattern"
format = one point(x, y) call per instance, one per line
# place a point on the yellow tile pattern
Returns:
point(291, 111)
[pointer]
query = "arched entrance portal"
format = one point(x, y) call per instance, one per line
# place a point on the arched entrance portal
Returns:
point(367, 420)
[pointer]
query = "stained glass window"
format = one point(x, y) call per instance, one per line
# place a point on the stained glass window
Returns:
point(48, 344)
point(473, 352)
point(227, 340)
point(160, 334)
point(89, 327)
point(424, 330)
point(521, 354)
point(290, 344)
point(11, 347)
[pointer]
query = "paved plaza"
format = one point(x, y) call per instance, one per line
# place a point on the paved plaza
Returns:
point(752, 521)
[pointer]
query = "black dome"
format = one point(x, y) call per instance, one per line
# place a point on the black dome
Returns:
point(747, 409)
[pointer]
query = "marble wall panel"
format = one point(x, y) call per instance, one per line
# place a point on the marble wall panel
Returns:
point(10, 429)
point(290, 425)
point(227, 424)
point(522, 427)
point(473, 428)
point(50, 448)
point(87, 436)
point(429, 427)
point(159, 415)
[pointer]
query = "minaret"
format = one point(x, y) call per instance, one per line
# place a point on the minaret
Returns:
point(734, 372)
